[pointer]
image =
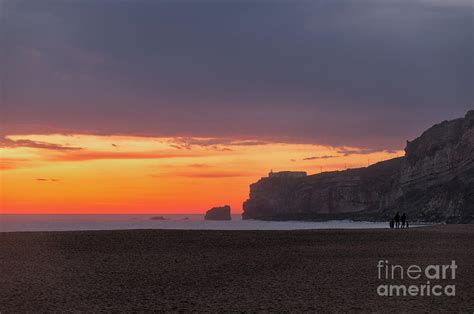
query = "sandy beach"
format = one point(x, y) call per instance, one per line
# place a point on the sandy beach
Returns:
point(176, 270)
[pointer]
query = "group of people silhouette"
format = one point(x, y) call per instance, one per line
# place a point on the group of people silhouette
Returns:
point(399, 222)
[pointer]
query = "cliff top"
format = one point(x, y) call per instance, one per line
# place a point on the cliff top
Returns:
point(438, 136)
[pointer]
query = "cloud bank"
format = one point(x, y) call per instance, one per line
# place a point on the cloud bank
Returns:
point(360, 73)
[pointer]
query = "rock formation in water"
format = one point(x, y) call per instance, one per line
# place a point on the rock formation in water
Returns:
point(218, 213)
point(157, 218)
point(434, 181)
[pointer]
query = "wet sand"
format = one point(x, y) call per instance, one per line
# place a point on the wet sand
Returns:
point(323, 270)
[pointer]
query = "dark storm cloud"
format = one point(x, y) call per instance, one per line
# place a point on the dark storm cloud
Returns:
point(340, 72)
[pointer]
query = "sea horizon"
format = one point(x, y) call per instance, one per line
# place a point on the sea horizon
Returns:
point(90, 222)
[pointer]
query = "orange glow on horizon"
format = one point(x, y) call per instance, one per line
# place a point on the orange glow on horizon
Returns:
point(78, 173)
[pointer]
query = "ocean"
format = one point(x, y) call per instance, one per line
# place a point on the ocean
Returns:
point(66, 222)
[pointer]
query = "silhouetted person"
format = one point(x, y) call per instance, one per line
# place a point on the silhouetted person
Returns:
point(397, 220)
point(391, 223)
point(403, 219)
point(406, 224)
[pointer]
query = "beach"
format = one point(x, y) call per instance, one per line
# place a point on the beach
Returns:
point(211, 270)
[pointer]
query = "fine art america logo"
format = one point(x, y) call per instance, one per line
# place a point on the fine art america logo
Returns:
point(436, 280)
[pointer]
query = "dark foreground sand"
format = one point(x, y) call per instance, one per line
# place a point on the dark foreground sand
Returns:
point(332, 270)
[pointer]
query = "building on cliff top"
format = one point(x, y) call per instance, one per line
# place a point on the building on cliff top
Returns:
point(287, 174)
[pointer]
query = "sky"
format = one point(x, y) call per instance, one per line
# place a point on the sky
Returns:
point(176, 106)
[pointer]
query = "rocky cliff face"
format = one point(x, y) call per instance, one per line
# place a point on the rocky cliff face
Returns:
point(437, 175)
point(433, 182)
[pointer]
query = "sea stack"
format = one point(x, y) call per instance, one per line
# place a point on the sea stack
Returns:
point(218, 213)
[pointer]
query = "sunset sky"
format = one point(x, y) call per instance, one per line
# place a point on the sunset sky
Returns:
point(121, 106)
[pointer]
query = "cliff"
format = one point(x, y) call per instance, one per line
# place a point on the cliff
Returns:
point(434, 181)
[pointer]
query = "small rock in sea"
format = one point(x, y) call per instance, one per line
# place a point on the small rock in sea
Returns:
point(218, 213)
point(158, 218)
